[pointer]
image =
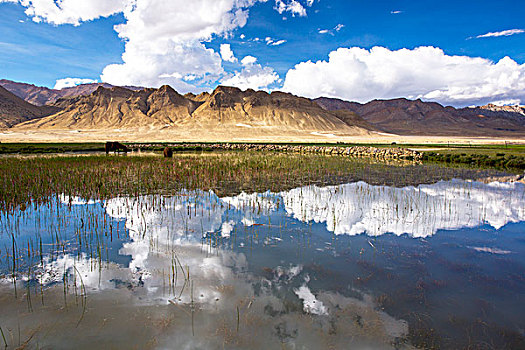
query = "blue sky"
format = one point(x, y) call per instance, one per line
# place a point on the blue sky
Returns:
point(67, 43)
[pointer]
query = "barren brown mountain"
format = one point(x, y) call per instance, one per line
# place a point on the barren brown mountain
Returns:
point(40, 95)
point(407, 117)
point(259, 109)
point(228, 109)
point(14, 110)
point(118, 108)
point(223, 109)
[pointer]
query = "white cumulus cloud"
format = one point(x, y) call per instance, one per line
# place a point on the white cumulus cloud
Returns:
point(69, 82)
point(425, 72)
point(227, 53)
point(292, 6)
point(71, 11)
point(252, 76)
point(248, 60)
point(164, 40)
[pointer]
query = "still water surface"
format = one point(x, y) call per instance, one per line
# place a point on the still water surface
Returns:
point(350, 266)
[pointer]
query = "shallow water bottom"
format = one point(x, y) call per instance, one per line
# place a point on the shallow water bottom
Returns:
point(117, 319)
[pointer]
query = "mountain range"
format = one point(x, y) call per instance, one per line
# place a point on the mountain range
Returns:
point(415, 117)
point(26, 107)
point(41, 95)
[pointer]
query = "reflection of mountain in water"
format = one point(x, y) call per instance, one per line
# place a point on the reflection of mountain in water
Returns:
point(418, 211)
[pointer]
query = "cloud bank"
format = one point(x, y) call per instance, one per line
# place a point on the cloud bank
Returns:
point(425, 72)
point(71, 11)
point(164, 40)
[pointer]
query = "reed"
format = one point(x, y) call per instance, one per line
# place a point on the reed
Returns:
point(25, 182)
point(3, 337)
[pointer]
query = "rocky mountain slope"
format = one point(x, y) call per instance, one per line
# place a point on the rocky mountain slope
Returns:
point(224, 108)
point(40, 95)
point(406, 117)
point(105, 107)
point(14, 110)
point(255, 109)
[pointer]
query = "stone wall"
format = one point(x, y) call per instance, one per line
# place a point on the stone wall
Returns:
point(355, 151)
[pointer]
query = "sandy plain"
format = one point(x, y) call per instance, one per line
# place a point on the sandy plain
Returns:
point(234, 134)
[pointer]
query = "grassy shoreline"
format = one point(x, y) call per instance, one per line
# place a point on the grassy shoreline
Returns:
point(505, 157)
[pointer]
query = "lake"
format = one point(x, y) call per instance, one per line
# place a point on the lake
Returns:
point(361, 264)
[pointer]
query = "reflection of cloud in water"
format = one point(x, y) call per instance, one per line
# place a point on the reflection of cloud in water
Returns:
point(166, 231)
point(253, 206)
point(166, 243)
point(418, 211)
point(310, 303)
point(346, 209)
point(166, 234)
point(75, 200)
point(163, 227)
point(166, 237)
point(92, 275)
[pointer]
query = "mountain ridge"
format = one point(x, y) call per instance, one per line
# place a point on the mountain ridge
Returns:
point(415, 117)
point(165, 108)
point(103, 106)
point(41, 95)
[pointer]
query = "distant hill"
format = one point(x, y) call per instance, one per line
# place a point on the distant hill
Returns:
point(415, 117)
point(14, 110)
point(40, 95)
point(224, 108)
